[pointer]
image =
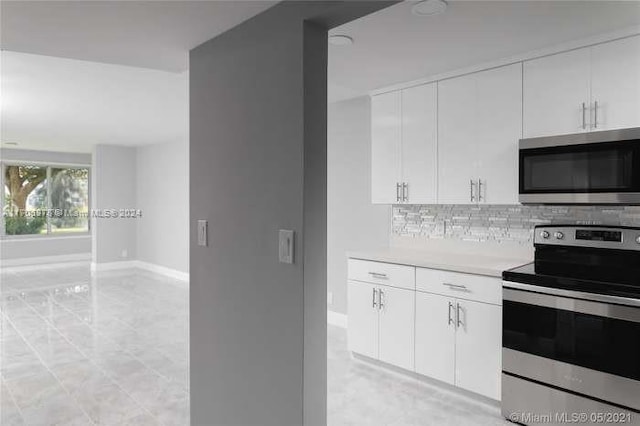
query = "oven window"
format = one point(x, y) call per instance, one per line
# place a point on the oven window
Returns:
point(600, 343)
point(588, 168)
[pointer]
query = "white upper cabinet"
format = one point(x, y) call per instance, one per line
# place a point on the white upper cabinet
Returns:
point(386, 133)
point(419, 143)
point(589, 89)
point(615, 84)
point(457, 153)
point(556, 94)
point(404, 144)
point(479, 125)
point(498, 130)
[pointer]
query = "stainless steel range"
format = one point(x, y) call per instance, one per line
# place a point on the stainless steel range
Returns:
point(571, 329)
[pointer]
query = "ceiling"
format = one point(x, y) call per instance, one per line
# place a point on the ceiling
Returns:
point(79, 73)
point(69, 105)
point(154, 34)
point(393, 46)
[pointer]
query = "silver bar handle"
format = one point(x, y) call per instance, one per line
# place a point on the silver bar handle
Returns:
point(378, 275)
point(380, 299)
point(472, 185)
point(595, 115)
point(584, 116)
point(458, 316)
point(398, 186)
point(405, 191)
point(479, 190)
point(373, 302)
point(450, 318)
point(456, 286)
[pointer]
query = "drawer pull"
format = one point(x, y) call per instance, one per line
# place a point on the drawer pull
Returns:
point(458, 287)
point(378, 275)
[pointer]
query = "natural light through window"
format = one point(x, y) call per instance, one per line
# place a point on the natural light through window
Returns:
point(41, 199)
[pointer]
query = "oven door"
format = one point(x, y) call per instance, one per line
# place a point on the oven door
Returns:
point(582, 168)
point(588, 348)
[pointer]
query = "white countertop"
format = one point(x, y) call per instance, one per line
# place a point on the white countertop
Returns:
point(457, 262)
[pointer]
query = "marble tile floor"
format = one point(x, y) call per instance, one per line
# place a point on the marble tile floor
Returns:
point(107, 349)
point(362, 394)
point(110, 349)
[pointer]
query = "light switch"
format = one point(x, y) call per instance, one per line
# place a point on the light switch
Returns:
point(202, 233)
point(285, 245)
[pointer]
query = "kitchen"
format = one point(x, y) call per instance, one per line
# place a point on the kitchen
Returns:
point(463, 165)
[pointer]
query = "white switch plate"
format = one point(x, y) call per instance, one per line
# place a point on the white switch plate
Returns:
point(202, 233)
point(330, 298)
point(285, 245)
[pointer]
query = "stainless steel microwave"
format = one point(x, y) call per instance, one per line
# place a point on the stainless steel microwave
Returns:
point(583, 168)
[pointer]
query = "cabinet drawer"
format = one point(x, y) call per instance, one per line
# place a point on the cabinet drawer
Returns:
point(479, 288)
point(390, 274)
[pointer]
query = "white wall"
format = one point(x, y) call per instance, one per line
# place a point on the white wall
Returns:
point(18, 250)
point(353, 223)
point(163, 196)
point(113, 186)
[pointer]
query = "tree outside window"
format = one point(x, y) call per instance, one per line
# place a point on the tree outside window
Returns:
point(43, 199)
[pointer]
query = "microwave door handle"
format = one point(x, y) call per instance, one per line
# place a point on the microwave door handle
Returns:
point(595, 115)
point(584, 116)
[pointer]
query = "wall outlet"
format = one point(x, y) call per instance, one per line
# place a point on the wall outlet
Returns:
point(330, 298)
point(124, 254)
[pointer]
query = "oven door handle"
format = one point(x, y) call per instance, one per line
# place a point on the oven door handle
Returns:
point(533, 295)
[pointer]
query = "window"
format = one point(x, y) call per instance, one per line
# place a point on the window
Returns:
point(42, 199)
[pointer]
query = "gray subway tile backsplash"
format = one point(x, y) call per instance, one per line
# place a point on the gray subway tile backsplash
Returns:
point(500, 223)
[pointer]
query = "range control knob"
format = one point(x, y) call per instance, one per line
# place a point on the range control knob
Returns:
point(559, 235)
point(545, 235)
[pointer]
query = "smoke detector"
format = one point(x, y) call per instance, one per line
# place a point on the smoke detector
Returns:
point(429, 7)
point(340, 40)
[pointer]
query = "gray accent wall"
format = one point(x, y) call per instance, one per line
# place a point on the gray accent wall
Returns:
point(163, 196)
point(258, 164)
point(113, 186)
point(353, 223)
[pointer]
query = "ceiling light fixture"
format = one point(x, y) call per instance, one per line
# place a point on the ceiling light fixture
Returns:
point(11, 143)
point(429, 7)
point(340, 40)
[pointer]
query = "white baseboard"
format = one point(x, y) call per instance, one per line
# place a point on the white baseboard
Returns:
point(113, 266)
point(163, 270)
point(45, 261)
point(152, 267)
point(337, 319)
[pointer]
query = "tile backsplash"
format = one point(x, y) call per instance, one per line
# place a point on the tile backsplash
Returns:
point(500, 223)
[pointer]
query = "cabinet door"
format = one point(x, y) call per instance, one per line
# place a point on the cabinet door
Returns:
point(435, 336)
point(615, 84)
point(386, 125)
point(419, 138)
point(555, 87)
point(479, 347)
point(397, 326)
point(499, 128)
point(456, 140)
point(362, 332)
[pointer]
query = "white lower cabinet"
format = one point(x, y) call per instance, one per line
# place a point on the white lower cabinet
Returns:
point(435, 336)
point(381, 321)
point(396, 326)
point(459, 342)
point(449, 328)
point(362, 332)
point(479, 348)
